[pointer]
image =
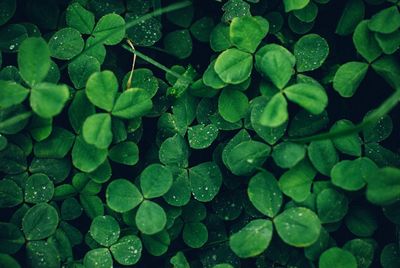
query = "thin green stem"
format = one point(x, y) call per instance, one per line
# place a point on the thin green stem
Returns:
point(129, 25)
point(372, 118)
point(155, 63)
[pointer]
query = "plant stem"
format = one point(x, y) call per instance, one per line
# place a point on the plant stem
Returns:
point(155, 63)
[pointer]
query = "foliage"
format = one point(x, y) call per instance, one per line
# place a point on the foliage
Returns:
point(200, 134)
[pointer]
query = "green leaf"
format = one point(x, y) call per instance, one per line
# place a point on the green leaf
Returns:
point(349, 77)
point(70, 209)
point(288, 154)
point(365, 42)
point(385, 21)
point(40, 222)
point(219, 38)
point(235, 8)
point(96, 130)
point(296, 182)
point(195, 234)
point(336, 257)
point(34, 60)
point(98, 258)
point(179, 43)
point(11, 94)
point(352, 175)
point(132, 103)
point(361, 249)
point(331, 206)
point(311, 97)
point(101, 89)
point(10, 193)
point(298, 226)
point(205, 181)
point(122, 195)
point(126, 153)
point(390, 256)
point(11, 238)
point(179, 194)
point(389, 43)
point(8, 7)
point(79, 109)
point(246, 157)
point(276, 65)
point(211, 78)
point(87, 157)
point(352, 14)
point(264, 193)
point(66, 44)
point(155, 181)
point(174, 151)
point(234, 66)
point(232, 98)
point(81, 69)
point(47, 100)
point(269, 134)
point(79, 18)
point(389, 68)
point(386, 189)
point(294, 4)
point(323, 155)
point(57, 145)
point(311, 52)
point(104, 230)
point(307, 14)
point(144, 33)
point(42, 254)
point(246, 33)
point(275, 112)
point(201, 136)
point(145, 79)
point(349, 144)
point(179, 260)
point(110, 29)
point(38, 188)
point(361, 221)
point(201, 29)
point(253, 239)
point(127, 250)
point(150, 218)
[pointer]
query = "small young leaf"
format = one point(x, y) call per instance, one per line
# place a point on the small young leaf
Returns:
point(126, 153)
point(127, 250)
point(66, 44)
point(331, 206)
point(201, 137)
point(79, 18)
point(110, 29)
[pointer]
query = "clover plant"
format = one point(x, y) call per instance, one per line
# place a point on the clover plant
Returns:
point(199, 133)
